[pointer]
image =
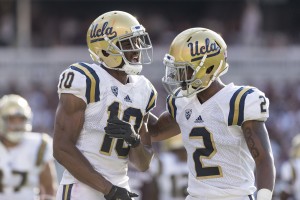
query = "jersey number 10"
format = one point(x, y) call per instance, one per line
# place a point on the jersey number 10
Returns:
point(129, 113)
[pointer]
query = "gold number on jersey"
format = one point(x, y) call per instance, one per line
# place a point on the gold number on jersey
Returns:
point(207, 152)
point(108, 143)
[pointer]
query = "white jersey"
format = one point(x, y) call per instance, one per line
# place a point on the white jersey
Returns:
point(220, 164)
point(141, 183)
point(172, 179)
point(20, 166)
point(106, 97)
point(290, 174)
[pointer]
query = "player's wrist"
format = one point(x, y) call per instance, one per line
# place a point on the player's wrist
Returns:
point(136, 142)
point(111, 193)
point(264, 194)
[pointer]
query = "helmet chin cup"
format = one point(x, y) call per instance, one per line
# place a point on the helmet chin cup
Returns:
point(14, 137)
point(132, 69)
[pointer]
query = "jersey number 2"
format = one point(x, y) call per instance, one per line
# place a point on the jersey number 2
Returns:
point(207, 152)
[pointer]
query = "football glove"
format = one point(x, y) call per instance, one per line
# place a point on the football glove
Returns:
point(117, 128)
point(118, 193)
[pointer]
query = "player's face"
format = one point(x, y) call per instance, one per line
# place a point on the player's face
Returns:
point(131, 44)
point(15, 123)
point(185, 75)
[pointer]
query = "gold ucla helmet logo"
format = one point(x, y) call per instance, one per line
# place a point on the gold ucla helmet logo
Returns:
point(196, 50)
point(100, 32)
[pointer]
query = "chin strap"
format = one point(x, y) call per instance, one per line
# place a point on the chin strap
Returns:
point(94, 56)
point(127, 68)
point(215, 75)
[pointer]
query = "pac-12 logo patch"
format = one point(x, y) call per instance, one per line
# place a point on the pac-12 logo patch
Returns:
point(188, 113)
point(114, 90)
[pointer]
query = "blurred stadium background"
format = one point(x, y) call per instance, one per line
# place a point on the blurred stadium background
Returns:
point(40, 38)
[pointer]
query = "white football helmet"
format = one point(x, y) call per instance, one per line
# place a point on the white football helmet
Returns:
point(197, 57)
point(113, 35)
point(14, 106)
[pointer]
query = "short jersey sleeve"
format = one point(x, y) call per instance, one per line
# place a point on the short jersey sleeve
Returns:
point(81, 80)
point(152, 98)
point(256, 106)
point(171, 104)
point(72, 82)
point(247, 103)
point(45, 152)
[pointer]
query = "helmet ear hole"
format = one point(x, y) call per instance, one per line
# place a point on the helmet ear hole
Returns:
point(105, 53)
point(209, 69)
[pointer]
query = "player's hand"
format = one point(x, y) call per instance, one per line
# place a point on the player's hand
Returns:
point(117, 128)
point(118, 193)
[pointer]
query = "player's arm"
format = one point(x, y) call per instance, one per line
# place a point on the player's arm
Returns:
point(163, 127)
point(48, 181)
point(142, 155)
point(258, 142)
point(68, 124)
point(256, 112)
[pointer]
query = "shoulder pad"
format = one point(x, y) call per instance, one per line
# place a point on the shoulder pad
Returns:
point(43, 153)
point(171, 105)
point(81, 80)
point(152, 99)
point(247, 103)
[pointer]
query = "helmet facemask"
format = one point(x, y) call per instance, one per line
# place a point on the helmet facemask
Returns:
point(184, 75)
point(177, 75)
point(15, 127)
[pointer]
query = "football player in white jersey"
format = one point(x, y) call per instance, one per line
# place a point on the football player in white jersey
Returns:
point(172, 176)
point(27, 170)
point(290, 172)
point(91, 96)
point(222, 126)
